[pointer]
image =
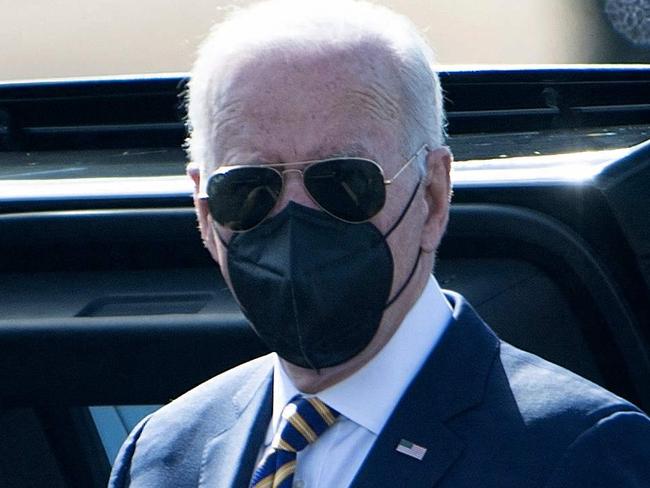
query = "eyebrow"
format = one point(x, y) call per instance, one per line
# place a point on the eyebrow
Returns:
point(355, 149)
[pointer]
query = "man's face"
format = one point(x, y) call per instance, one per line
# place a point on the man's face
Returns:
point(305, 107)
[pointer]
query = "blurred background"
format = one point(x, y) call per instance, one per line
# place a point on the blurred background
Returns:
point(71, 38)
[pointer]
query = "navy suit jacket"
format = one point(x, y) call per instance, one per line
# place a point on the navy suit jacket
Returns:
point(488, 414)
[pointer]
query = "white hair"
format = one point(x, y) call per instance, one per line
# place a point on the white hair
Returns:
point(317, 24)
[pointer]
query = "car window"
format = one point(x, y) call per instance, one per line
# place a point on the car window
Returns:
point(124, 40)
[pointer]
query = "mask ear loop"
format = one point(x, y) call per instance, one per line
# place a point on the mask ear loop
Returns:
point(417, 260)
point(408, 280)
point(406, 209)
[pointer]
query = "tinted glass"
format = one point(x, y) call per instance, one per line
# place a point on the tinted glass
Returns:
point(240, 198)
point(351, 189)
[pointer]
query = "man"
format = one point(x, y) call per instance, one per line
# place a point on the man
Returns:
point(378, 379)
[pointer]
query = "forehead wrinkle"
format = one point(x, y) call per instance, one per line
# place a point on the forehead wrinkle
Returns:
point(354, 149)
point(377, 100)
point(226, 114)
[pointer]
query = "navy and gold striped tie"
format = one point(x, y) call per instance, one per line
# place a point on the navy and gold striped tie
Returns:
point(303, 421)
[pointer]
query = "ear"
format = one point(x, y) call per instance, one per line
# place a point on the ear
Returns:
point(437, 194)
point(202, 211)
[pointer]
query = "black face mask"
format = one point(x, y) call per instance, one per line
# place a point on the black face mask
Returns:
point(313, 287)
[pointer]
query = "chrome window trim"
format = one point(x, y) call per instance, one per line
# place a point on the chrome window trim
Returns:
point(519, 171)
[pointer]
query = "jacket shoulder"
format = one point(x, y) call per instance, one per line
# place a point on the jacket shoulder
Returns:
point(228, 391)
point(165, 448)
point(543, 389)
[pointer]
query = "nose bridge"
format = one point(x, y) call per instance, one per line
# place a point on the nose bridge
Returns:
point(294, 190)
point(292, 170)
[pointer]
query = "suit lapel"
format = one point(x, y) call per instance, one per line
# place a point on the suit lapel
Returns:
point(385, 466)
point(451, 381)
point(229, 458)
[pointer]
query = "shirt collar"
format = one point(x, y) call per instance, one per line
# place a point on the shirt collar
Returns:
point(369, 396)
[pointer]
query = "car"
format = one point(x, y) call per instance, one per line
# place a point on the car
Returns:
point(110, 306)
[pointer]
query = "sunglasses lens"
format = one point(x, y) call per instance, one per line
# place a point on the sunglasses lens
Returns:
point(241, 198)
point(350, 189)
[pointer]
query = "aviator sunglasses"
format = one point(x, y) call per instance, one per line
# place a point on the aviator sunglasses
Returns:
point(349, 188)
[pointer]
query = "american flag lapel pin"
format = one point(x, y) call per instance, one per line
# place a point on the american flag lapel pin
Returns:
point(411, 449)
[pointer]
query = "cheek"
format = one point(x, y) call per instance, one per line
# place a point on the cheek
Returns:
point(211, 239)
point(221, 255)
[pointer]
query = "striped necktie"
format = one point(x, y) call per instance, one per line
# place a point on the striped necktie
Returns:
point(303, 421)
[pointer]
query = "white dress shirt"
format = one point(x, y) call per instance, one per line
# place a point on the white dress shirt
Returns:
point(365, 399)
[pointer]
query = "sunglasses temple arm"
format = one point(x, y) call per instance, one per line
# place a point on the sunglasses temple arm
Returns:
point(415, 157)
